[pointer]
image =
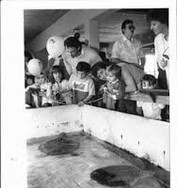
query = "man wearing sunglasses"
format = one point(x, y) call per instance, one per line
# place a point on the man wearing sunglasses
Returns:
point(127, 53)
point(127, 48)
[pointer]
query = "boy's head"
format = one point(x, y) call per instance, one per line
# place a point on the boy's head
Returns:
point(113, 73)
point(83, 69)
point(148, 81)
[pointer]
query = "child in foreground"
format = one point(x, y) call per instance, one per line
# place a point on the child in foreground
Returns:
point(114, 89)
point(82, 84)
point(149, 109)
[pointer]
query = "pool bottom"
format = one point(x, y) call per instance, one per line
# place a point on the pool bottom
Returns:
point(81, 167)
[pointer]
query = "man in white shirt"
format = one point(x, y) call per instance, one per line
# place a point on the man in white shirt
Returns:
point(127, 48)
point(76, 52)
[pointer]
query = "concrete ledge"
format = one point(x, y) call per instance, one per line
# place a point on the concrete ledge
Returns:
point(141, 136)
point(52, 120)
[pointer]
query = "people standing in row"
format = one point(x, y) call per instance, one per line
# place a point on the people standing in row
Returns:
point(159, 25)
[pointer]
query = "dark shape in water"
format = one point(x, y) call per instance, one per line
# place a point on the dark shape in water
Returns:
point(115, 175)
point(61, 145)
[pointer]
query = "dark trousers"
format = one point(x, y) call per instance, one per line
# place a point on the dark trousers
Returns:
point(126, 106)
point(162, 80)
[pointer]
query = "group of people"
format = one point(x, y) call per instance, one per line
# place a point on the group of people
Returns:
point(80, 76)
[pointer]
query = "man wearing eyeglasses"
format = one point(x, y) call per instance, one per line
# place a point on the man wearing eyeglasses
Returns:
point(127, 48)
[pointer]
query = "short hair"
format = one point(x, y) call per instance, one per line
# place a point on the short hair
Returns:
point(116, 70)
point(125, 22)
point(97, 66)
point(71, 42)
point(160, 15)
point(150, 78)
point(83, 67)
point(53, 70)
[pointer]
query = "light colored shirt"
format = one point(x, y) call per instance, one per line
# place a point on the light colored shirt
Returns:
point(151, 110)
point(162, 47)
point(88, 55)
point(81, 87)
point(126, 50)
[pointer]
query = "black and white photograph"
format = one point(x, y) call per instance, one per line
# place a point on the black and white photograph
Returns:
point(88, 94)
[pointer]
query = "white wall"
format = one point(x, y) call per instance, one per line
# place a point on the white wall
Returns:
point(141, 136)
point(52, 120)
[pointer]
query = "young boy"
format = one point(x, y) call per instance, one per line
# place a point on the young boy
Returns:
point(82, 84)
point(149, 109)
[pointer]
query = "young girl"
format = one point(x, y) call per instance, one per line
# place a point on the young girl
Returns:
point(114, 89)
point(59, 89)
point(149, 109)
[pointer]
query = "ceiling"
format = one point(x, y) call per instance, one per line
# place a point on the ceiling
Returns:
point(36, 21)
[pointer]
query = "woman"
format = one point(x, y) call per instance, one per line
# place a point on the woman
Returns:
point(159, 25)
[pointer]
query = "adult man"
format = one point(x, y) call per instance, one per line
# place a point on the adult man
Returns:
point(127, 53)
point(76, 52)
point(127, 48)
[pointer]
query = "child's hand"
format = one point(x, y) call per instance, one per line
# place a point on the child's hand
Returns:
point(81, 103)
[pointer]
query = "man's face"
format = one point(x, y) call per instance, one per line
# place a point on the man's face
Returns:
point(129, 30)
point(72, 51)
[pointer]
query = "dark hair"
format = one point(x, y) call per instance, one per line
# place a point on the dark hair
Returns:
point(55, 69)
point(28, 55)
point(29, 76)
point(150, 78)
point(83, 67)
point(125, 22)
point(160, 15)
point(97, 66)
point(116, 70)
point(71, 42)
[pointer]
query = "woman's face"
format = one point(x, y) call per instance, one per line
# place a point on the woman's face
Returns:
point(101, 74)
point(57, 76)
point(157, 27)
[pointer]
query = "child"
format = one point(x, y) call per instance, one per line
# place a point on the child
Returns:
point(29, 80)
point(114, 89)
point(60, 89)
point(149, 109)
point(98, 73)
point(82, 84)
point(38, 91)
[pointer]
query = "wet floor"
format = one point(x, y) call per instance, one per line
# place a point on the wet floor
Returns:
point(89, 165)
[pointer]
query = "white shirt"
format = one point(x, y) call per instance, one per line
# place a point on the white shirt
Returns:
point(88, 55)
point(126, 50)
point(151, 110)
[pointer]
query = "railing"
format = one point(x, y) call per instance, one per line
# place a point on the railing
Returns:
point(150, 95)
